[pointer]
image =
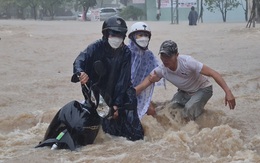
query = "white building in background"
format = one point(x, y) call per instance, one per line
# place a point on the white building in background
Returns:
point(151, 7)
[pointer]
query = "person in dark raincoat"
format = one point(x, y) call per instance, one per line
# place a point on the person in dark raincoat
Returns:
point(193, 16)
point(115, 86)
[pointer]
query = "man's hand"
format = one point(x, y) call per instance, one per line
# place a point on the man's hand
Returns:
point(83, 78)
point(154, 77)
point(230, 100)
point(115, 116)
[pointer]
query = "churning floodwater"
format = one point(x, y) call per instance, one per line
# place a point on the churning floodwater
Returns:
point(36, 66)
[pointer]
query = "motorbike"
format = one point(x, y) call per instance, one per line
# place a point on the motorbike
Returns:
point(77, 123)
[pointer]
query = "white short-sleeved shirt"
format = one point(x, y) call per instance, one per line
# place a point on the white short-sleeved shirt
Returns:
point(187, 76)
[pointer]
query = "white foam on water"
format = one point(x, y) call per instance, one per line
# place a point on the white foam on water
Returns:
point(30, 94)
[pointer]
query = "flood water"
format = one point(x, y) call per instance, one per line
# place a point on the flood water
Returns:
point(36, 66)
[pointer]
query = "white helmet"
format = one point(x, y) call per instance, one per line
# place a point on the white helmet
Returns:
point(139, 26)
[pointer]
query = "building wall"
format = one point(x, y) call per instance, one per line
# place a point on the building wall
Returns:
point(236, 15)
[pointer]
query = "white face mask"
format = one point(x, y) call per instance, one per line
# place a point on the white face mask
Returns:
point(143, 41)
point(115, 42)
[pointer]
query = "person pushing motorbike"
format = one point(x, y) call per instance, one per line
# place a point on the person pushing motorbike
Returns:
point(115, 86)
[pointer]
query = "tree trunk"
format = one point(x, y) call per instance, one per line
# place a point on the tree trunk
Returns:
point(34, 13)
point(258, 11)
point(201, 11)
point(84, 13)
point(225, 15)
point(252, 14)
point(101, 4)
point(246, 11)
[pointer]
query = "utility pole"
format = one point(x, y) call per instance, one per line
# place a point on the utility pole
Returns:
point(174, 13)
point(177, 11)
point(171, 11)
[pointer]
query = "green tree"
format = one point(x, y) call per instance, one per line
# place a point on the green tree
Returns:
point(131, 12)
point(21, 6)
point(5, 6)
point(34, 4)
point(51, 5)
point(245, 8)
point(222, 5)
point(124, 2)
point(85, 5)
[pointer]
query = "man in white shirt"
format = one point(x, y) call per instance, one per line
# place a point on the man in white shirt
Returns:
point(190, 77)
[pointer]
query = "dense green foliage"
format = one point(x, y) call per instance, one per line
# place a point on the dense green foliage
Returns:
point(131, 12)
point(39, 8)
